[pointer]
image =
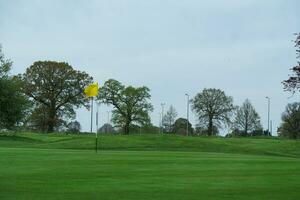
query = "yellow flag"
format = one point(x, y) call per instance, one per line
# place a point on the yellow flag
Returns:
point(91, 90)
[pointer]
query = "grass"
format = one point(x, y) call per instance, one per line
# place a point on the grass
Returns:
point(148, 142)
point(36, 166)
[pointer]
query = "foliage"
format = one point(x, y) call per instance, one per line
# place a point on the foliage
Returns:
point(13, 104)
point(74, 127)
point(213, 108)
point(144, 129)
point(39, 117)
point(179, 127)
point(241, 133)
point(259, 132)
point(169, 119)
point(37, 120)
point(203, 131)
point(57, 89)
point(106, 128)
point(246, 119)
point(290, 127)
point(293, 83)
point(150, 129)
point(5, 65)
point(131, 104)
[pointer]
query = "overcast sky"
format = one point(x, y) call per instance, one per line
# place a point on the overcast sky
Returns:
point(243, 47)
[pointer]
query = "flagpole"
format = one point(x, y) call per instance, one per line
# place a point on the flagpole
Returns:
point(96, 142)
point(92, 102)
point(92, 91)
point(92, 109)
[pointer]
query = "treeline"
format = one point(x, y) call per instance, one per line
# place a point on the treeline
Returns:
point(44, 99)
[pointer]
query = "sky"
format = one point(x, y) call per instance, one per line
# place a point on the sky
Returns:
point(244, 47)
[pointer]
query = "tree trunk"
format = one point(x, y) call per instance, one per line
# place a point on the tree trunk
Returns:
point(51, 120)
point(246, 125)
point(50, 126)
point(210, 126)
point(126, 127)
point(246, 130)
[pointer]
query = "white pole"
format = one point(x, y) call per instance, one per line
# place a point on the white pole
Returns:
point(187, 114)
point(92, 102)
point(162, 117)
point(271, 127)
point(97, 118)
point(159, 123)
point(268, 114)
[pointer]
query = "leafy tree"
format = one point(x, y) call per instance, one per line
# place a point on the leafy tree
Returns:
point(13, 104)
point(202, 130)
point(290, 127)
point(213, 108)
point(56, 88)
point(130, 104)
point(259, 132)
point(246, 118)
point(5, 65)
point(74, 127)
point(293, 83)
point(106, 128)
point(144, 129)
point(179, 126)
point(136, 129)
point(37, 120)
point(241, 133)
point(150, 129)
point(169, 119)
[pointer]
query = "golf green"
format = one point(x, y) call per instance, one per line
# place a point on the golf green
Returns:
point(36, 173)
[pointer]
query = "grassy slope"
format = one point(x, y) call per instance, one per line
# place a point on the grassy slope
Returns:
point(156, 142)
point(35, 166)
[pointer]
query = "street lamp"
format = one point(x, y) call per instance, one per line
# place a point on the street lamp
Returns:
point(269, 99)
point(187, 113)
point(162, 116)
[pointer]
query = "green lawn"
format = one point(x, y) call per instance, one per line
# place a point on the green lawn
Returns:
point(34, 166)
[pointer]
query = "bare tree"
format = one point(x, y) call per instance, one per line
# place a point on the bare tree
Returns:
point(246, 118)
point(293, 83)
point(169, 119)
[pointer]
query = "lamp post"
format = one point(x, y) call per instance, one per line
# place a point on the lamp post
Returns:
point(271, 127)
point(269, 99)
point(162, 117)
point(187, 113)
